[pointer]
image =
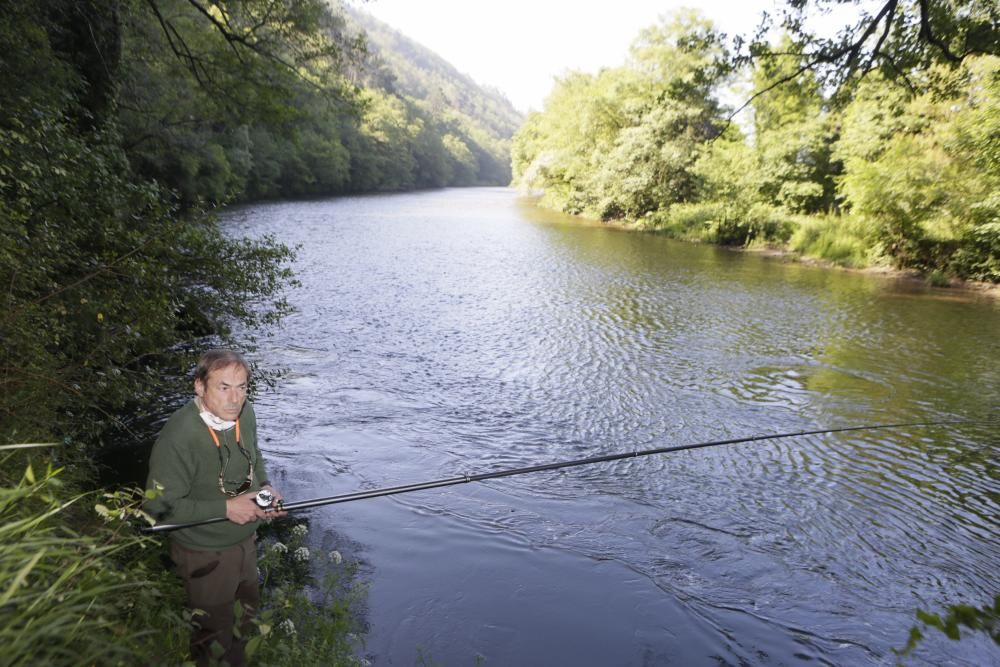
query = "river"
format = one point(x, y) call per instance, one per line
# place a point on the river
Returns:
point(462, 331)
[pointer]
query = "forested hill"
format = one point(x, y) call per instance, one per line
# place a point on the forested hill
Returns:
point(410, 69)
point(401, 67)
point(230, 104)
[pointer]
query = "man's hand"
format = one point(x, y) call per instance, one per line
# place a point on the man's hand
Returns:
point(278, 498)
point(243, 509)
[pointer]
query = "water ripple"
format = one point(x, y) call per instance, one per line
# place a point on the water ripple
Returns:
point(458, 332)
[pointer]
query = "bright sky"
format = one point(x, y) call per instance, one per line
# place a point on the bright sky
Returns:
point(521, 46)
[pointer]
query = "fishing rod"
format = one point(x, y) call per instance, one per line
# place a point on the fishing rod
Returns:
point(465, 479)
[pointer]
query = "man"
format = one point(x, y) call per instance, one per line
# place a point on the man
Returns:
point(206, 463)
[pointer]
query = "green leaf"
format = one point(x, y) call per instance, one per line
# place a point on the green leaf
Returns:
point(253, 645)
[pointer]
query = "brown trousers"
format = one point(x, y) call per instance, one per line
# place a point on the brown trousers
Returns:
point(214, 581)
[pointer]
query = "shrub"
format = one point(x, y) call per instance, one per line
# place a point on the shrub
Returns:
point(978, 256)
point(715, 222)
point(836, 239)
point(304, 622)
point(684, 221)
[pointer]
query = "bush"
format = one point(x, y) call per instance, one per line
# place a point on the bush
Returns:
point(978, 256)
point(303, 622)
point(684, 221)
point(724, 224)
point(836, 239)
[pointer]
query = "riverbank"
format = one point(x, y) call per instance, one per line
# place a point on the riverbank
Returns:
point(910, 276)
point(782, 236)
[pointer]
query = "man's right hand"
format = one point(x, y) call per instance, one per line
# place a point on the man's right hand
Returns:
point(243, 509)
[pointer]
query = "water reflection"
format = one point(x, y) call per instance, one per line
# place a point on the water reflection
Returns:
point(464, 331)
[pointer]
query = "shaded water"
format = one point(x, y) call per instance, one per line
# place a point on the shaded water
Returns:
point(463, 331)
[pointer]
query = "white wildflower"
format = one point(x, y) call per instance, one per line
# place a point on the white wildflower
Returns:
point(336, 557)
point(287, 627)
point(302, 554)
point(280, 548)
point(299, 530)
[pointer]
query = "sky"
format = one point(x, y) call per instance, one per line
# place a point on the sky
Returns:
point(521, 46)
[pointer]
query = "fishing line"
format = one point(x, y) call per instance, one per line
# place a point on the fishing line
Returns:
point(465, 479)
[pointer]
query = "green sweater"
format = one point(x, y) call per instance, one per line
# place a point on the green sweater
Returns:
point(185, 464)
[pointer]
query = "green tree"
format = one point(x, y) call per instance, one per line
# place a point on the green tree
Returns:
point(196, 75)
point(896, 39)
point(102, 276)
point(922, 171)
point(625, 142)
point(555, 148)
point(792, 138)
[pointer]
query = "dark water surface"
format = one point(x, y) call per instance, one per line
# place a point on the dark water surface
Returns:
point(463, 331)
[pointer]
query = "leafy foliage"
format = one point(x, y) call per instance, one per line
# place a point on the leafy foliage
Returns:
point(889, 37)
point(892, 175)
point(985, 619)
point(77, 591)
point(465, 130)
point(305, 621)
point(927, 182)
point(303, 100)
point(624, 143)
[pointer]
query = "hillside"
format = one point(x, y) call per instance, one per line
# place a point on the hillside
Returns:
point(399, 66)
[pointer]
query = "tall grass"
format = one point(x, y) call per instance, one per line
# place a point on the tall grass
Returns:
point(80, 586)
point(724, 224)
point(839, 239)
point(842, 240)
point(67, 597)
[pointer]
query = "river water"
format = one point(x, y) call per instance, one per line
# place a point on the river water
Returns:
point(464, 331)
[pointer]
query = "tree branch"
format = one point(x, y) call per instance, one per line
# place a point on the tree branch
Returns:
point(881, 40)
point(928, 35)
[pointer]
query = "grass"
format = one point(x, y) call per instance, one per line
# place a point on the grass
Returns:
point(837, 239)
point(81, 586)
point(840, 240)
point(724, 224)
point(69, 598)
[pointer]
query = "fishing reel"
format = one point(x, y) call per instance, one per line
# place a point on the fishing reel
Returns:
point(264, 499)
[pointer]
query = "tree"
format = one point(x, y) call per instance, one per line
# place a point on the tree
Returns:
point(195, 73)
point(101, 275)
point(923, 170)
point(625, 142)
point(892, 37)
point(792, 138)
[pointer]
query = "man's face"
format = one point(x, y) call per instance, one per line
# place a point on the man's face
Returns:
point(224, 392)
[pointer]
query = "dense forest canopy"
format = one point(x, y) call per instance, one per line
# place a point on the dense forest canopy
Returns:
point(295, 104)
point(464, 113)
point(878, 146)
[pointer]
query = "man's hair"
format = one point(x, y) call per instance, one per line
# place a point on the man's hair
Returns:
point(213, 360)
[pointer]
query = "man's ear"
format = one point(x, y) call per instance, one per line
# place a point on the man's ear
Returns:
point(199, 388)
